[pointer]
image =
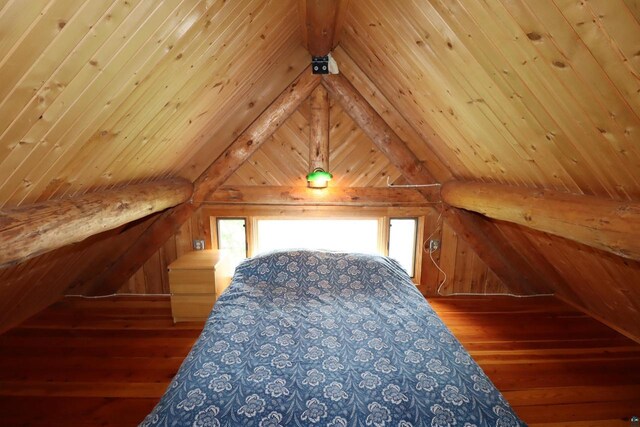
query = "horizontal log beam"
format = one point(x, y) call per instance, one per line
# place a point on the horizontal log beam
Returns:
point(31, 230)
point(215, 175)
point(331, 196)
point(606, 224)
point(483, 238)
point(380, 133)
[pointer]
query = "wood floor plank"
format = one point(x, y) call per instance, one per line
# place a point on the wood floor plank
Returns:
point(105, 362)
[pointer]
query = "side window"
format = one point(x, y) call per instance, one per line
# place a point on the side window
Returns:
point(232, 238)
point(402, 242)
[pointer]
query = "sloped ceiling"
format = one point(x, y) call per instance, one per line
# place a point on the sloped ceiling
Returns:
point(540, 94)
point(527, 93)
point(101, 94)
point(97, 94)
point(537, 94)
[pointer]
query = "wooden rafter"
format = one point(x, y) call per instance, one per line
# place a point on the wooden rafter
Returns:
point(508, 265)
point(321, 24)
point(606, 224)
point(333, 196)
point(27, 231)
point(215, 175)
point(319, 129)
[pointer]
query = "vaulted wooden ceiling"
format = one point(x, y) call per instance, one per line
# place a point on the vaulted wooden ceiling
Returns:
point(542, 94)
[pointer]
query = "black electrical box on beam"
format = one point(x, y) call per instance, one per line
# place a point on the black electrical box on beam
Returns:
point(320, 64)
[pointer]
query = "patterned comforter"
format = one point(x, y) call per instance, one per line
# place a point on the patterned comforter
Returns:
point(310, 338)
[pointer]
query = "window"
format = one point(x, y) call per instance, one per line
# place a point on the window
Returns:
point(402, 242)
point(232, 239)
point(349, 235)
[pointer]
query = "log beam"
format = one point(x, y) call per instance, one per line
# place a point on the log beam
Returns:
point(31, 230)
point(321, 24)
point(255, 135)
point(331, 196)
point(215, 175)
point(605, 224)
point(319, 129)
point(380, 133)
point(481, 236)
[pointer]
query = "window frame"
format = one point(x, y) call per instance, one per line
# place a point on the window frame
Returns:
point(416, 236)
point(250, 214)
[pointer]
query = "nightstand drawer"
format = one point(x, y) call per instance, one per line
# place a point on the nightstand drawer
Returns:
point(192, 307)
point(192, 281)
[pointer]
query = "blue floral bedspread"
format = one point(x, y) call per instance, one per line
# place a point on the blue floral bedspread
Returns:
point(307, 338)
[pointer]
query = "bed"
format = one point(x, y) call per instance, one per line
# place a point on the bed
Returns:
point(305, 338)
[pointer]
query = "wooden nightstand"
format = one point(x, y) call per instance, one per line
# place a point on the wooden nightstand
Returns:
point(192, 280)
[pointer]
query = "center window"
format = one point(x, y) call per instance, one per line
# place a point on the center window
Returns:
point(347, 235)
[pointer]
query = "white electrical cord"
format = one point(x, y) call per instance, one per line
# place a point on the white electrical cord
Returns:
point(116, 295)
point(427, 248)
point(389, 184)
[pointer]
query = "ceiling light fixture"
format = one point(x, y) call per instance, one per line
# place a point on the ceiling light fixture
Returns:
point(319, 178)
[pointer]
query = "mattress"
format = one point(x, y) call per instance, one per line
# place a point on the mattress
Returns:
point(305, 338)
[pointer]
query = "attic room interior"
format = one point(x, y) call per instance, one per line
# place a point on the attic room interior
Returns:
point(320, 212)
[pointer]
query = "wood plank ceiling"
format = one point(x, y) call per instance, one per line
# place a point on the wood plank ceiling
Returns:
point(542, 94)
point(283, 160)
point(125, 91)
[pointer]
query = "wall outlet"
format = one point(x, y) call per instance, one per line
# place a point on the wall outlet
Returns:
point(434, 245)
point(198, 245)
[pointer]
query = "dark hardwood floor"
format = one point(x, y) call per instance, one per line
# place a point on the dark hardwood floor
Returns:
point(105, 362)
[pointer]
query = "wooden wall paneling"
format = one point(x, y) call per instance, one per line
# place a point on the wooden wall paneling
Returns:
point(21, 103)
point(487, 113)
point(430, 274)
point(405, 130)
point(29, 46)
point(621, 29)
point(521, 97)
point(67, 123)
point(601, 284)
point(634, 8)
point(153, 273)
point(586, 79)
point(362, 55)
point(512, 82)
point(410, 66)
point(239, 115)
point(459, 279)
point(24, 292)
point(233, 112)
point(163, 131)
point(562, 104)
point(144, 281)
point(184, 239)
point(514, 53)
point(130, 260)
point(17, 20)
point(481, 235)
point(40, 112)
point(448, 251)
point(353, 158)
point(151, 103)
